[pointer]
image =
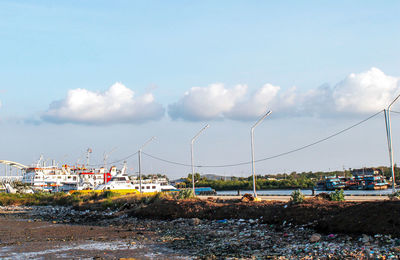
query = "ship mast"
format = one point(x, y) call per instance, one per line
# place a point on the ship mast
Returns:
point(88, 152)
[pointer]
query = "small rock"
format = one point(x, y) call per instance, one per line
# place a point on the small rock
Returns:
point(365, 238)
point(315, 238)
point(194, 221)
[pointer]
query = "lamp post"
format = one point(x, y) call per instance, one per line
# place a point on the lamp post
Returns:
point(140, 162)
point(389, 140)
point(192, 155)
point(252, 150)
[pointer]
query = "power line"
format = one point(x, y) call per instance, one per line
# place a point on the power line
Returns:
point(123, 159)
point(274, 156)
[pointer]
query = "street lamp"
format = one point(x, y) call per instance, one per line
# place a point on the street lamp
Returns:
point(389, 140)
point(192, 155)
point(140, 162)
point(252, 150)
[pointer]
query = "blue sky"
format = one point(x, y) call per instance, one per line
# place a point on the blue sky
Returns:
point(242, 56)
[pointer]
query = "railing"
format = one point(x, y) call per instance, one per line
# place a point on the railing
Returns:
point(10, 179)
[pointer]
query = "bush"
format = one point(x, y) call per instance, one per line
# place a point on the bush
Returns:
point(108, 194)
point(184, 194)
point(337, 195)
point(297, 197)
point(324, 196)
point(108, 203)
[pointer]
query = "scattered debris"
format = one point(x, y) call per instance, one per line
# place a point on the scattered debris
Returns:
point(245, 236)
point(315, 238)
point(247, 197)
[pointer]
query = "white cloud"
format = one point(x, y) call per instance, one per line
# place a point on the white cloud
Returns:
point(365, 92)
point(255, 105)
point(116, 105)
point(207, 103)
point(362, 93)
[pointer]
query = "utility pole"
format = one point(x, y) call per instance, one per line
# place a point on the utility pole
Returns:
point(252, 150)
point(192, 154)
point(140, 162)
point(389, 140)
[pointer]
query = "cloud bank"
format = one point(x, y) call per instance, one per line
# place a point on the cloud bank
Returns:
point(116, 105)
point(362, 93)
point(357, 94)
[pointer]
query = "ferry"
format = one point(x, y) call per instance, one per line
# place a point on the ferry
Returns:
point(54, 178)
point(79, 178)
point(122, 184)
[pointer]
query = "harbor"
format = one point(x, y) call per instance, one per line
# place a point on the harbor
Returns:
point(199, 130)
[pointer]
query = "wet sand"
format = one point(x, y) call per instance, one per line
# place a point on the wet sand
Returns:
point(35, 239)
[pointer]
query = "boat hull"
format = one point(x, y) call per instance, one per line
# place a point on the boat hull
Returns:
point(119, 191)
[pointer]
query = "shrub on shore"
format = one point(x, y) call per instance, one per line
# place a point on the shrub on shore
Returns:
point(297, 197)
point(337, 195)
point(184, 194)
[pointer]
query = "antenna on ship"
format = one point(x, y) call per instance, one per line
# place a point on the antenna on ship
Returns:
point(88, 152)
point(106, 155)
point(39, 161)
point(124, 168)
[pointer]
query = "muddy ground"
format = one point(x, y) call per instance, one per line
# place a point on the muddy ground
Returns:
point(24, 236)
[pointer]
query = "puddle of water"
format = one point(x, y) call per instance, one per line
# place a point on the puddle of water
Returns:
point(101, 246)
point(44, 226)
point(5, 249)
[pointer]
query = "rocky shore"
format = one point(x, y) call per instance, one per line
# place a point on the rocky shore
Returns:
point(65, 232)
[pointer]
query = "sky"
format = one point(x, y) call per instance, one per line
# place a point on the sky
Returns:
point(109, 75)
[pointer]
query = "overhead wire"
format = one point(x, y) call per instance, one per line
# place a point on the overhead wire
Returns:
point(271, 157)
point(117, 161)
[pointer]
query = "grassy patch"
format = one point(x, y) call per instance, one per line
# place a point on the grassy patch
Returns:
point(103, 200)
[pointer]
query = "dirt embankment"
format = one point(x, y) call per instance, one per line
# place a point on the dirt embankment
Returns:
point(325, 216)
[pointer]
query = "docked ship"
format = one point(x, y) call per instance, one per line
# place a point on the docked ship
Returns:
point(54, 178)
point(375, 183)
point(331, 183)
point(122, 183)
point(79, 178)
point(362, 179)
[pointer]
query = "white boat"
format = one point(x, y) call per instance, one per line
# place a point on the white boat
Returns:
point(121, 183)
point(65, 178)
point(77, 178)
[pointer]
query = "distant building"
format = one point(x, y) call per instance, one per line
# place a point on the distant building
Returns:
point(215, 177)
point(178, 183)
point(366, 171)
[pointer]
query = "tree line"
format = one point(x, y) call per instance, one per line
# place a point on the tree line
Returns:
point(294, 180)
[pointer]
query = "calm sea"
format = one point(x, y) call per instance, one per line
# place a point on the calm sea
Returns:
point(305, 192)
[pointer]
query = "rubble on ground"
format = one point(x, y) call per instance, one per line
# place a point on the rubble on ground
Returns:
point(229, 238)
